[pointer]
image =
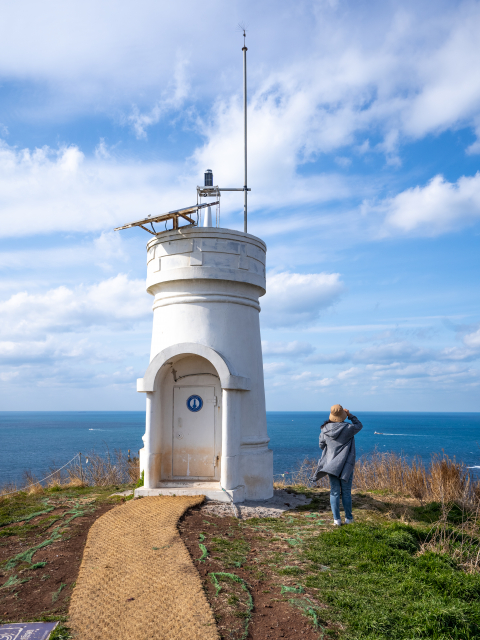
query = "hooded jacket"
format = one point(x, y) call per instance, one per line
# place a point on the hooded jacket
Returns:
point(338, 443)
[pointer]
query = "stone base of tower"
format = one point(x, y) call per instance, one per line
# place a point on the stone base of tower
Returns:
point(256, 471)
point(211, 490)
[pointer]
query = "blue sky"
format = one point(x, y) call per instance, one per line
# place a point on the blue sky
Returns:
point(364, 163)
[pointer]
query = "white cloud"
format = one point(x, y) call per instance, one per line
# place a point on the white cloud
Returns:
point(173, 98)
point(400, 352)
point(83, 336)
point(272, 369)
point(53, 190)
point(338, 74)
point(338, 357)
point(473, 339)
point(40, 351)
point(396, 82)
point(50, 190)
point(116, 302)
point(393, 352)
point(425, 376)
point(447, 93)
point(474, 148)
point(440, 374)
point(293, 349)
point(435, 208)
point(293, 298)
point(312, 380)
point(8, 376)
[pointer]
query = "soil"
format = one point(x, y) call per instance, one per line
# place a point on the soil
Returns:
point(45, 592)
point(249, 566)
point(274, 614)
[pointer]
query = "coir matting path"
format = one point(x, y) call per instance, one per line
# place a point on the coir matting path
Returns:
point(137, 579)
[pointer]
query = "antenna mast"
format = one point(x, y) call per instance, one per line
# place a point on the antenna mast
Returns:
point(208, 190)
point(245, 189)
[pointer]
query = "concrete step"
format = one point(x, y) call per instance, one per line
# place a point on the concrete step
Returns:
point(211, 490)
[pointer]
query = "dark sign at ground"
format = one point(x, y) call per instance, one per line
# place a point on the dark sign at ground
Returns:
point(27, 630)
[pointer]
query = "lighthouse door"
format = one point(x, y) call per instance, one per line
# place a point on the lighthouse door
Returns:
point(193, 446)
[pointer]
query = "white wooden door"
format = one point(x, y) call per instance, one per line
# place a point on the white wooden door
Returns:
point(193, 432)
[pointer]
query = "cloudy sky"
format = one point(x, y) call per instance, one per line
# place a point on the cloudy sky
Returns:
point(364, 163)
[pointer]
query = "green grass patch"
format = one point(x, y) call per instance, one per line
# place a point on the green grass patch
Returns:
point(308, 609)
point(245, 613)
point(432, 512)
point(16, 530)
point(60, 633)
point(233, 553)
point(290, 571)
point(140, 481)
point(379, 492)
point(14, 581)
point(294, 542)
point(204, 551)
point(27, 555)
point(381, 587)
point(58, 592)
point(287, 589)
point(22, 507)
point(318, 501)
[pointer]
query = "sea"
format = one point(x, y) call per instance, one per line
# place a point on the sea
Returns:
point(43, 440)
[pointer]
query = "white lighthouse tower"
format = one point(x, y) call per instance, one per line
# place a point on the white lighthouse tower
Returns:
point(206, 428)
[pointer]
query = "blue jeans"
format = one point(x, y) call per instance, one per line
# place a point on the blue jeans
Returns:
point(338, 486)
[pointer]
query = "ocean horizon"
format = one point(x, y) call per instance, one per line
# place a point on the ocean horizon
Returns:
point(39, 441)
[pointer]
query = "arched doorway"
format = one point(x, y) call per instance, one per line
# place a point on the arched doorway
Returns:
point(190, 420)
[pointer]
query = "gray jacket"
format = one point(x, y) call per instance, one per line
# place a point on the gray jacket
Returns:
point(338, 443)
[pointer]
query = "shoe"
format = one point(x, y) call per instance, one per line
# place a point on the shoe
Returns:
point(337, 523)
point(347, 521)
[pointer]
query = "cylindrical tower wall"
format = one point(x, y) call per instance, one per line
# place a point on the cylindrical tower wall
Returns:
point(206, 285)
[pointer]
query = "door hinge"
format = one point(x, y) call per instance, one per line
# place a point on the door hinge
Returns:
point(215, 460)
point(213, 400)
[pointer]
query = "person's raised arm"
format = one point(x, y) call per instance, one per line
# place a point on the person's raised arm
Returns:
point(356, 424)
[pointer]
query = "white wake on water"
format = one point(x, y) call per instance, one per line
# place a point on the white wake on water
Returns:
point(413, 435)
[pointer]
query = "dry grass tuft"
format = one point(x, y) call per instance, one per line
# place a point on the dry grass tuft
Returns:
point(442, 480)
point(104, 470)
point(457, 539)
point(93, 470)
point(9, 487)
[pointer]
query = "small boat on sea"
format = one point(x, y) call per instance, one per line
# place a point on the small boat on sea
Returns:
point(379, 433)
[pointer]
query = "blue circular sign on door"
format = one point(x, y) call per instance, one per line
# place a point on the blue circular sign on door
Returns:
point(194, 403)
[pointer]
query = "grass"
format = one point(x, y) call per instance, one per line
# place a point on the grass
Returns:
point(61, 633)
point(232, 552)
point(57, 593)
point(21, 508)
point(42, 518)
point(408, 570)
point(380, 585)
point(405, 571)
point(243, 606)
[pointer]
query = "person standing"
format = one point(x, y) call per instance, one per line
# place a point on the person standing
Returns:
point(337, 441)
